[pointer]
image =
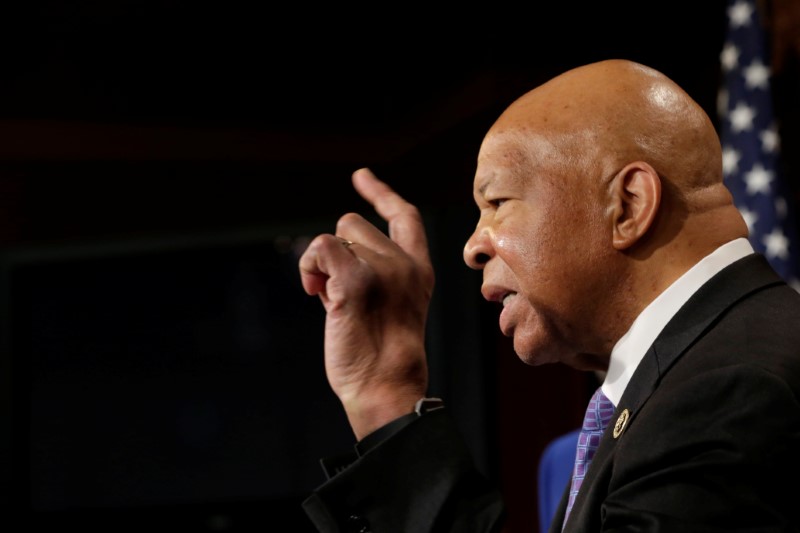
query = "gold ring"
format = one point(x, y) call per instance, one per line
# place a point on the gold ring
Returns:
point(344, 242)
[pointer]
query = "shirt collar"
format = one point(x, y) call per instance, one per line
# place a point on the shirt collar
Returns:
point(631, 347)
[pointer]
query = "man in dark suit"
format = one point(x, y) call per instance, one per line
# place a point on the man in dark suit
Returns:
point(610, 240)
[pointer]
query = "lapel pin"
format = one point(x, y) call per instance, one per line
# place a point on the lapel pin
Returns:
point(622, 421)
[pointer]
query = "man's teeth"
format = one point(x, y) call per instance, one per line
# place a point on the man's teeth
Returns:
point(507, 297)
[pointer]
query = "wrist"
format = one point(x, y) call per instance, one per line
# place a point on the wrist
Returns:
point(366, 413)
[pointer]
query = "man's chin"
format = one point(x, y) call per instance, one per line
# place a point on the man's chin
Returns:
point(535, 355)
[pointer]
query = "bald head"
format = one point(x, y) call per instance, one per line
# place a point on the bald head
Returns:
point(613, 112)
point(593, 120)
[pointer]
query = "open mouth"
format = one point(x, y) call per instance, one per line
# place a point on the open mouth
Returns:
point(507, 298)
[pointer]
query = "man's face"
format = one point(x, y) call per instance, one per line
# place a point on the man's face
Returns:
point(542, 244)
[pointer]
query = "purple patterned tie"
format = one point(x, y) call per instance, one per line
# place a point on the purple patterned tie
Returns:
point(598, 414)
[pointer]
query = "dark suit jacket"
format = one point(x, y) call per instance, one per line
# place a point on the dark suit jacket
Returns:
point(711, 440)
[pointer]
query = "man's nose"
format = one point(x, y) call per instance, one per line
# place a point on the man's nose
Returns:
point(478, 249)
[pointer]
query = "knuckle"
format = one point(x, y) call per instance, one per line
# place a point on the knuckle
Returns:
point(321, 244)
point(321, 241)
point(313, 246)
point(411, 211)
point(348, 220)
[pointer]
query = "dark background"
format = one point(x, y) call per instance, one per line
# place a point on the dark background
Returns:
point(131, 129)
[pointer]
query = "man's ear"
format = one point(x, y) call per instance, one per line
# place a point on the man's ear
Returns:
point(635, 198)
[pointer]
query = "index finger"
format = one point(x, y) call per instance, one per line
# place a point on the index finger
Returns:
point(405, 221)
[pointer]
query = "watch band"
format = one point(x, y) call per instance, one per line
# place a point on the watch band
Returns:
point(426, 405)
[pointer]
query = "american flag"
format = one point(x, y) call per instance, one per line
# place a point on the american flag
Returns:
point(751, 143)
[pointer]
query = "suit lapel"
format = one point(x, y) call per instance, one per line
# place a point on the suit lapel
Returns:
point(698, 314)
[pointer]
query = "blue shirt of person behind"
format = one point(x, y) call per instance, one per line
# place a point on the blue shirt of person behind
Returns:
point(555, 472)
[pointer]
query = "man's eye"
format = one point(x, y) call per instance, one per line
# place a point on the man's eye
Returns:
point(497, 202)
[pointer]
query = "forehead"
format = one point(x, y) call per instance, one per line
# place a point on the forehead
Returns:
point(515, 157)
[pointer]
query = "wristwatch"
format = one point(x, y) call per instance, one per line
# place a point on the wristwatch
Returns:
point(426, 405)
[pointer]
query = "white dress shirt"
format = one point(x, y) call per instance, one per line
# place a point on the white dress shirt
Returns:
point(631, 347)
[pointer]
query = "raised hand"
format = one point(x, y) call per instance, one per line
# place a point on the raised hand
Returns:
point(376, 290)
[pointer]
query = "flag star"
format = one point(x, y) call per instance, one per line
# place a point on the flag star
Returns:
point(729, 56)
point(742, 117)
point(777, 245)
point(730, 161)
point(756, 75)
point(750, 218)
point(770, 140)
point(758, 180)
point(740, 14)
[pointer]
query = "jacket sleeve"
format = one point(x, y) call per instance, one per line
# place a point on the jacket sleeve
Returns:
point(420, 479)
